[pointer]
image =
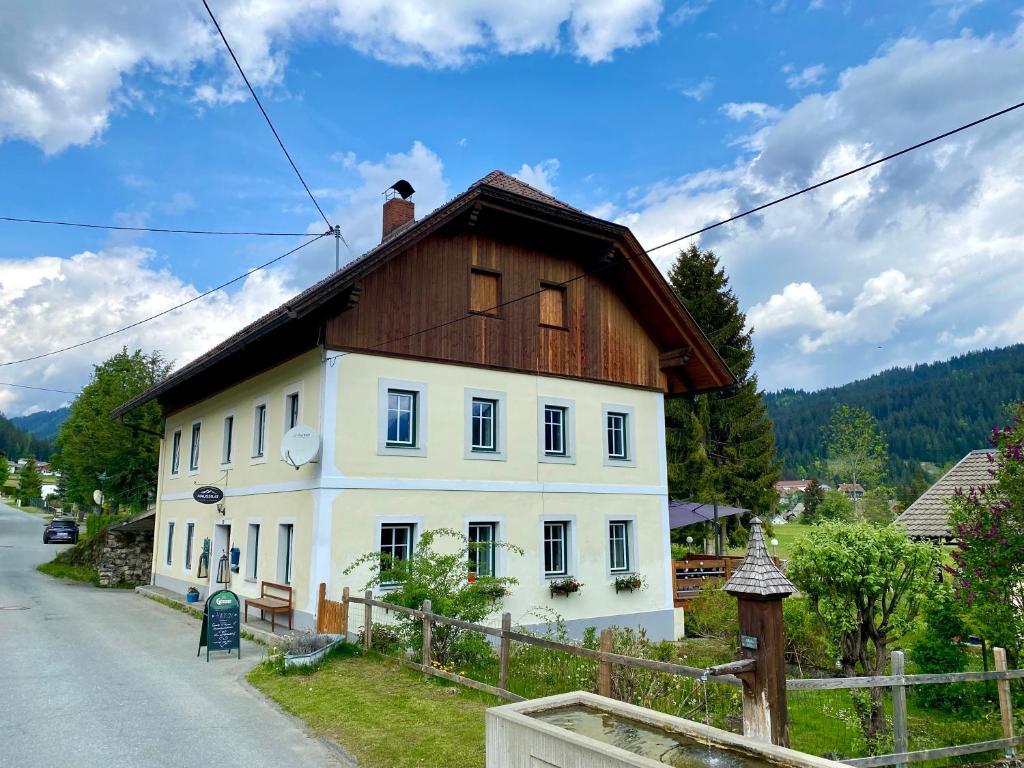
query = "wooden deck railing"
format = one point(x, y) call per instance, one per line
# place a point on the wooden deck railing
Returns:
point(694, 572)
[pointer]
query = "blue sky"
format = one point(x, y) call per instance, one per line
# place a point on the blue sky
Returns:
point(662, 115)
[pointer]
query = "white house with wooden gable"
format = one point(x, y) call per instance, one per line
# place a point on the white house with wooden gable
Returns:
point(498, 367)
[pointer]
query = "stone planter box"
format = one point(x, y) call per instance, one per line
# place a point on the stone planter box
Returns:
point(305, 659)
point(517, 738)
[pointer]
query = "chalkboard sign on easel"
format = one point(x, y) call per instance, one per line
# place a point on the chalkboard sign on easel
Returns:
point(221, 629)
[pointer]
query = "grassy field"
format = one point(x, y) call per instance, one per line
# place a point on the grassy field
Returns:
point(788, 535)
point(385, 715)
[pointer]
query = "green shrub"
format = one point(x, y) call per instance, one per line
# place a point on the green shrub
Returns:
point(96, 523)
point(939, 649)
point(806, 643)
point(712, 613)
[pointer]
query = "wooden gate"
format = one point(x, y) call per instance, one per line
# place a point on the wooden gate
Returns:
point(331, 615)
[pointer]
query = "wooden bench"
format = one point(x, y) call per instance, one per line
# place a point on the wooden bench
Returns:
point(273, 599)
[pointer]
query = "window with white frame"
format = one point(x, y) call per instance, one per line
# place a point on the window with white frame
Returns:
point(285, 552)
point(554, 430)
point(190, 537)
point(229, 435)
point(556, 548)
point(291, 410)
point(616, 431)
point(401, 419)
point(484, 424)
point(482, 538)
point(252, 551)
point(170, 542)
point(396, 542)
point(176, 452)
point(259, 431)
point(193, 451)
point(618, 546)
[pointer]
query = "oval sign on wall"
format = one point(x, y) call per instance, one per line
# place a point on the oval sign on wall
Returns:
point(208, 494)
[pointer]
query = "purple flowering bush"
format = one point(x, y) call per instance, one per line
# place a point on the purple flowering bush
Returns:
point(988, 557)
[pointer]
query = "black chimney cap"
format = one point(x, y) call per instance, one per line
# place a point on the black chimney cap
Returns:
point(403, 188)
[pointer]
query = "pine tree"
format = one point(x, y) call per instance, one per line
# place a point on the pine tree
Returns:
point(813, 497)
point(721, 446)
point(30, 483)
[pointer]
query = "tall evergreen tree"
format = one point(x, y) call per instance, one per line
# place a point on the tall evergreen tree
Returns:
point(721, 446)
point(30, 483)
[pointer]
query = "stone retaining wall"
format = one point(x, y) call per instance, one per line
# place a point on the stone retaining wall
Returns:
point(126, 558)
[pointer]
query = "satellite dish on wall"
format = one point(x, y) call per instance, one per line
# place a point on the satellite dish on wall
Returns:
point(97, 497)
point(300, 445)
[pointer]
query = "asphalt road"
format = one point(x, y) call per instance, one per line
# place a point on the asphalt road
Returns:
point(106, 678)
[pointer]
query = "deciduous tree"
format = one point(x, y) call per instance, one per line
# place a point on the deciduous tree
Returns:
point(5, 472)
point(867, 584)
point(91, 442)
point(855, 447)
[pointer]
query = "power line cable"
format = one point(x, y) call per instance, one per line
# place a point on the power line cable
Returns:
point(738, 216)
point(166, 311)
point(164, 230)
point(265, 115)
point(851, 172)
point(40, 389)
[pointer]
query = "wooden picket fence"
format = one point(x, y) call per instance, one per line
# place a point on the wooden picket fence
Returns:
point(333, 617)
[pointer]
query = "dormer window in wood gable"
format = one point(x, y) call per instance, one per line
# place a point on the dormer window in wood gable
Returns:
point(553, 311)
point(485, 291)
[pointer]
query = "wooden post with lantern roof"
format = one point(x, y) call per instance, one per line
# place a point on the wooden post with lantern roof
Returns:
point(759, 588)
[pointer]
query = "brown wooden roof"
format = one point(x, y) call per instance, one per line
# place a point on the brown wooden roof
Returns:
point(297, 325)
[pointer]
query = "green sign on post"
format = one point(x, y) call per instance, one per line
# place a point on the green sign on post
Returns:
point(221, 629)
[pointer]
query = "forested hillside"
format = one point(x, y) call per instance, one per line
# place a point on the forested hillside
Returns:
point(17, 443)
point(934, 412)
point(45, 424)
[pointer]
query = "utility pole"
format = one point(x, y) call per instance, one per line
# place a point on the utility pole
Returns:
point(337, 247)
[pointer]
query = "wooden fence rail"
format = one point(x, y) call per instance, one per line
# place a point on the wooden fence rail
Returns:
point(334, 615)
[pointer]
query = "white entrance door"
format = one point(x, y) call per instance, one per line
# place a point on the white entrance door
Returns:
point(221, 546)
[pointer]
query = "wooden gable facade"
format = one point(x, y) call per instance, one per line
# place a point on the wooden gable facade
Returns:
point(471, 284)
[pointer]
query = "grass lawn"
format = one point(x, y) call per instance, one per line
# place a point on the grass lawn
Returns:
point(383, 714)
point(788, 535)
point(65, 571)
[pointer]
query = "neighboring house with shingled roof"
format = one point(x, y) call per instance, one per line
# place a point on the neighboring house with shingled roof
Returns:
point(928, 517)
point(498, 367)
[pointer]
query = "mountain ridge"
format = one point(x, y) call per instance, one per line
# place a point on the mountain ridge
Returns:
point(931, 412)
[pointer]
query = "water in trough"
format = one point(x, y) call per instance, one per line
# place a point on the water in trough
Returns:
point(648, 741)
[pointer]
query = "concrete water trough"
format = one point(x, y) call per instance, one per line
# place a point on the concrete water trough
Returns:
point(583, 730)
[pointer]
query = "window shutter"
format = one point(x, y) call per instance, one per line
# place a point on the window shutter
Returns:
point(485, 292)
point(552, 306)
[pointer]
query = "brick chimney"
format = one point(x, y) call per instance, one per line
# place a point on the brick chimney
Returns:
point(396, 213)
point(398, 208)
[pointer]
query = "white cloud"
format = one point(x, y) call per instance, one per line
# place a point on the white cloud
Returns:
point(542, 175)
point(700, 90)
point(750, 109)
point(688, 11)
point(70, 66)
point(913, 260)
point(55, 302)
point(805, 78)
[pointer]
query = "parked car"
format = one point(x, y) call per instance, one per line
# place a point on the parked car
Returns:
point(61, 530)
